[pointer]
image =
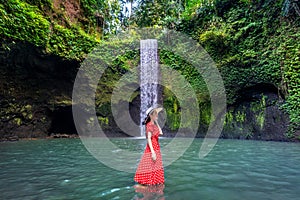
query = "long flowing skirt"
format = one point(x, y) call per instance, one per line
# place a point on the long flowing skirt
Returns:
point(150, 172)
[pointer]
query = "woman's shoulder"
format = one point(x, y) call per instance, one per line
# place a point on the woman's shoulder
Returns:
point(152, 127)
point(149, 124)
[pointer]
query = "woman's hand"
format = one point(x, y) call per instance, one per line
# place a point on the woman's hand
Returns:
point(153, 156)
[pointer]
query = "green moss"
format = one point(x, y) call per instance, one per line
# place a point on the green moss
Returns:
point(103, 121)
point(258, 108)
point(17, 121)
point(70, 43)
point(228, 117)
point(260, 119)
point(205, 113)
point(249, 40)
point(20, 20)
point(28, 107)
point(259, 47)
point(171, 106)
point(240, 116)
point(290, 62)
point(290, 135)
point(190, 74)
point(215, 42)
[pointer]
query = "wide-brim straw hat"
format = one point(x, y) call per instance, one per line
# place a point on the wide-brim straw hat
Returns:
point(156, 108)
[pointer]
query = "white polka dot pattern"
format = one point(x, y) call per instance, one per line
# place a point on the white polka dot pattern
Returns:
point(150, 172)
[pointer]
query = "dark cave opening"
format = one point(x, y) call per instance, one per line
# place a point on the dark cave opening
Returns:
point(62, 121)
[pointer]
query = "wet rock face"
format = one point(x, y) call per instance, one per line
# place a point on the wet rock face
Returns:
point(33, 87)
point(257, 115)
point(36, 90)
point(35, 94)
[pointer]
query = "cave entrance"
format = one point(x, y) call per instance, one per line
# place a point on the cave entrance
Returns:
point(62, 121)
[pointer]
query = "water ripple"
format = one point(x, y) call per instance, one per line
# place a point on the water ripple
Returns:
point(63, 169)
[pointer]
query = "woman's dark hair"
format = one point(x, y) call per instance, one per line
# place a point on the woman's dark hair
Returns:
point(146, 120)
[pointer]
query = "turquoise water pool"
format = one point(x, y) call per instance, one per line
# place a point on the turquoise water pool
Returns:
point(234, 169)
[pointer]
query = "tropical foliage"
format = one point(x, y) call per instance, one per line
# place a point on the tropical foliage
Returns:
point(251, 41)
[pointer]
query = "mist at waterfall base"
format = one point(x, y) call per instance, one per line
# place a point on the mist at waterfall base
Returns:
point(234, 169)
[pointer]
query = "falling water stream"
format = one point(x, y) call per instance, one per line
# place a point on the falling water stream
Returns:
point(149, 76)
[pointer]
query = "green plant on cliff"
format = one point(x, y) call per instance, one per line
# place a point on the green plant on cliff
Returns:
point(259, 47)
point(171, 106)
point(70, 43)
point(215, 42)
point(258, 108)
point(20, 20)
point(252, 42)
point(240, 116)
point(53, 28)
point(290, 62)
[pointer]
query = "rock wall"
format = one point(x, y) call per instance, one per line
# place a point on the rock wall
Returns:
point(257, 115)
point(35, 101)
point(35, 95)
point(34, 87)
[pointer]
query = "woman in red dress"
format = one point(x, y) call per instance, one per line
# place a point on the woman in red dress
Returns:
point(150, 169)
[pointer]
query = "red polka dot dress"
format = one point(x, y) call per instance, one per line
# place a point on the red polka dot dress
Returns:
point(150, 172)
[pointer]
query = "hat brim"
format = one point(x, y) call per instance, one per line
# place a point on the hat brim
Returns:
point(157, 109)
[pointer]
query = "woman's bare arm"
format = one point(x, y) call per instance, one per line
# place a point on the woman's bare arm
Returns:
point(151, 146)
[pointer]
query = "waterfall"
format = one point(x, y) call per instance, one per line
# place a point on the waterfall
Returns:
point(149, 77)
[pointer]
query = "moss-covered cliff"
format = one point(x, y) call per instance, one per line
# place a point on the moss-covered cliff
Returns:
point(254, 44)
point(42, 43)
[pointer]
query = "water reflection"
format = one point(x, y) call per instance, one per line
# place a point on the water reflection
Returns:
point(149, 192)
